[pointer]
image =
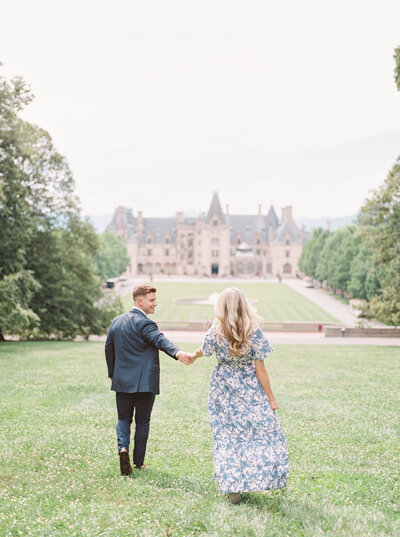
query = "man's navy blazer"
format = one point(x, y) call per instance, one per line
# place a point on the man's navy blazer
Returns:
point(132, 346)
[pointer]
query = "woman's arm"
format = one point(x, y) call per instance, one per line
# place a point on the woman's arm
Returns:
point(263, 378)
point(196, 354)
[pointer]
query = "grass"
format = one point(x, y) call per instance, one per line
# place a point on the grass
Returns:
point(276, 302)
point(59, 466)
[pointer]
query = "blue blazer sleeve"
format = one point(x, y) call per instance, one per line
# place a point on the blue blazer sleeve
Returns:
point(150, 333)
point(110, 353)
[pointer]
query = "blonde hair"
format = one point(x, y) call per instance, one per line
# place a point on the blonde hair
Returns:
point(236, 320)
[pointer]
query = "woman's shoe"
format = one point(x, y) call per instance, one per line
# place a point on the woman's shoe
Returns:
point(234, 497)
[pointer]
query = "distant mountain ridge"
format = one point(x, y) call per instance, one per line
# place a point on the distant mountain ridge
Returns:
point(100, 222)
point(335, 222)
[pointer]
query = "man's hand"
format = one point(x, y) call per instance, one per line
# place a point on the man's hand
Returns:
point(184, 357)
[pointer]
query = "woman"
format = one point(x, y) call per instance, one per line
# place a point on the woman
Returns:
point(250, 452)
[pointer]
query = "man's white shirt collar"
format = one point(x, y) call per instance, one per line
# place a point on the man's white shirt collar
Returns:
point(136, 308)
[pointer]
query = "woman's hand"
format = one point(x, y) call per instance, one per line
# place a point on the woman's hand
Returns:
point(196, 354)
point(274, 404)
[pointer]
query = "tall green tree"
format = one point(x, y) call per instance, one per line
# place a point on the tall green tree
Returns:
point(46, 250)
point(36, 185)
point(336, 257)
point(16, 291)
point(348, 245)
point(380, 221)
point(112, 258)
point(311, 251)
point(70, 300)
point(365, 275)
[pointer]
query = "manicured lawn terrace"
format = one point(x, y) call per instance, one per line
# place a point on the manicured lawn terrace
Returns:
point(59, 466)
point(276, 302)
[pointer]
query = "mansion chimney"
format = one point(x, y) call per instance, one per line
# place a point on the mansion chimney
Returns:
point(287, 215)
point(227, 209)
point(179, 217)
point(140, 222)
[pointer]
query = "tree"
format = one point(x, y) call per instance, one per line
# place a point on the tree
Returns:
point(70, 300)
point(365, 275)
point(16, 291)
point(380, 221)
point(48, 278)
point(311, 251)
point(335, 259)
point(36, 185)
point(112, 257)
point(348, 245)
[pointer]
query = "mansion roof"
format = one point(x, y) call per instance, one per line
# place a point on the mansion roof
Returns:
point(248, 228)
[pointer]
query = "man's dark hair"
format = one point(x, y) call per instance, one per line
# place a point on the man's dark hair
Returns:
point(142, 290)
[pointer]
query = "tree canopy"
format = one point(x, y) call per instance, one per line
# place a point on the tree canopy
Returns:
point(112, 258)
point(49, 284)
point(309, 258)
point(380, 228)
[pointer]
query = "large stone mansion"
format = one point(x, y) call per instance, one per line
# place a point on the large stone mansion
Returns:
point(215, 243)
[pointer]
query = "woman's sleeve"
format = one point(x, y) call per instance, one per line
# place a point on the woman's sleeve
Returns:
point(260, 345)
point(210, 341)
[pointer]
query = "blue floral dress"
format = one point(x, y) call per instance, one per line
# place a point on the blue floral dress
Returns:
point(250, 451)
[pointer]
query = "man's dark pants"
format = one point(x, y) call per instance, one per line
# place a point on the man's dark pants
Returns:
point(141, 404)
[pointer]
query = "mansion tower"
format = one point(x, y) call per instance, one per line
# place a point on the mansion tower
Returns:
point(215, 243)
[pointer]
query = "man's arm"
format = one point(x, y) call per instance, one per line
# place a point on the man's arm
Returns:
point(150, 333)
point(110, 353)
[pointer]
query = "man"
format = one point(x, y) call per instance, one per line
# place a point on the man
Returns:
point(132, 355)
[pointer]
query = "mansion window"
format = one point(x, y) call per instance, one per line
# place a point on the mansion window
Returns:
point(287, 253)
point(214, 253)
point(215, 222)
point(148, 240)
point(214, 242)
point(239, 241)
point(258, 241)
point(258, 251)
point(166, 240)
point(269, 268)
point(166, 252)
point(287, 268)
point(287, 241)
point(148, 252)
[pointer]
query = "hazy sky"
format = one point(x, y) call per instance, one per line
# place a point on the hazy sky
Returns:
point(156, 104)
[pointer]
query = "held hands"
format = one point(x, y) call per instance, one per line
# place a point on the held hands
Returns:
point(185, 357)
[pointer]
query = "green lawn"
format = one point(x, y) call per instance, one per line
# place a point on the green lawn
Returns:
point(59, 465)
point(276, 302)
